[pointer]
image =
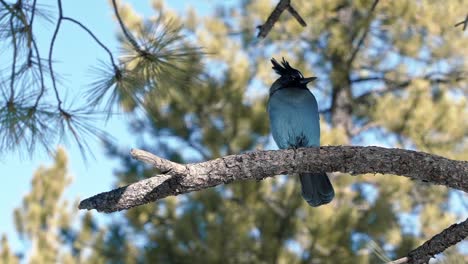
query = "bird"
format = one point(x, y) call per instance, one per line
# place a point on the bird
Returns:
point(294, 122)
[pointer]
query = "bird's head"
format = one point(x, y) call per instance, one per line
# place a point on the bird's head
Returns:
point(289, 77)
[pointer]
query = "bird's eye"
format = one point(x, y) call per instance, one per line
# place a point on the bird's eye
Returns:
point(297, 75)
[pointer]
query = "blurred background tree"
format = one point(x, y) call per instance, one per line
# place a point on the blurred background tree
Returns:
point(393, 77)
point(49, 225)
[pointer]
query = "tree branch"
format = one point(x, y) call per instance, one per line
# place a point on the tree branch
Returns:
point(392, 85)
point(463, 22)
point(437, 244)
point(364, 34)
point(125, 31)
point(179, 179)
point(275, 15)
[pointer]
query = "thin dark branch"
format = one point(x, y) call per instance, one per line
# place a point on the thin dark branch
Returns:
point(364, 35)
point(261, 164)
point(437, 244)
point(296, 15)
point(51, 50)
point(363, 128)
point(30, 30)
point(464, 23)
point(41, 73)
point(10, 9)
point(7, 6)
point(15, 55)
point(275, 15)
point(95, 39)
point(367, 79)
point(395, 86)
point(33, 12)
point(125, 31)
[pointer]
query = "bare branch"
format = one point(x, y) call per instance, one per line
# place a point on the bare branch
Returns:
point(364, 34)
point(437, 244)
point(164, 165)
point(365, 127)
point(296, 15)
point(464, 23)
point(51, 51)
point(125, 31)
point(275, 15)
point(95, 39)
point(261, 164)
point(392, 85)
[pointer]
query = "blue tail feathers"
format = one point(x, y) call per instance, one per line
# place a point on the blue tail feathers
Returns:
point(316, 188)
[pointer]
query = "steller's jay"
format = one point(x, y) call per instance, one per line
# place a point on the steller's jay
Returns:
point(294, 122)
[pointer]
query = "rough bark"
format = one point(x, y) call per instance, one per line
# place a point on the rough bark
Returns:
point(275, 15)
point(449, 237)
point(437, 244)
point(179, 178)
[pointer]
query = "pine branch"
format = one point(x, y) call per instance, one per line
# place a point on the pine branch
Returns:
point(51, 51)
point(81, 25)
point(125, 31)
point(183, 178)
point(275, 15)
point(437, 244)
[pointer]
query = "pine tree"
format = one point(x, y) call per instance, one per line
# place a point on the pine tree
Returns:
point(6, 256)
point(52, 232)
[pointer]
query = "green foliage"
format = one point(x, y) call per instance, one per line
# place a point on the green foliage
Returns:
point(49, 228)
point(6, 256)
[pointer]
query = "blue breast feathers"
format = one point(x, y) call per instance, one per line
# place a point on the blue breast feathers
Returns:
point(294, 118)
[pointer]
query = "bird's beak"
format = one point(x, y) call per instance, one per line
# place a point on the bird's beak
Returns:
point(308, 80)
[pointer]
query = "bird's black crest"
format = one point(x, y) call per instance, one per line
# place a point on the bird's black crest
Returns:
point(284, 70)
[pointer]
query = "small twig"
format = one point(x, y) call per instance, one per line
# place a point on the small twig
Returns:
point(296, 15)
point(95, 39)
point(275, 15)
point(363, 128)
point(364, 35)
point(464, 23)
point(41, 73)
point(399, 261)
point(33, 12)
point(7, 6)
point(10, 9)
point(163, 165)
point(15, 55)
point(125, 31)
point(30, 30)
point(51, 50)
